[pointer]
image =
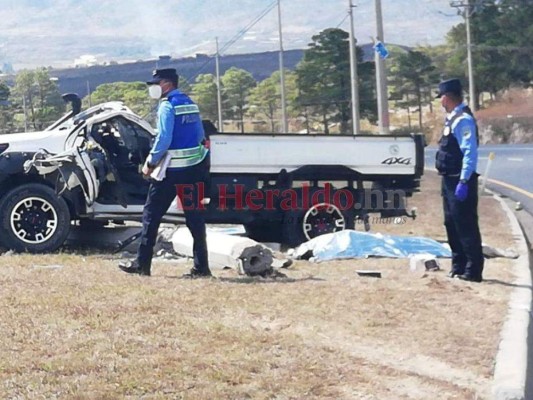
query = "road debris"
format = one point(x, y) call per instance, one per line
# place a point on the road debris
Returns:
point(245, 255)
point(369, 274)
point(493, 252)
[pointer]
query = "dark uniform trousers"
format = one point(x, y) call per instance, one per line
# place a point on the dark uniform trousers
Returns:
point(160, 197)
point(461, 221)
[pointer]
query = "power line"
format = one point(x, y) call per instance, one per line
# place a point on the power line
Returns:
point(237, 36)
point(243, 31)
point(516, 48)
point(343, 20)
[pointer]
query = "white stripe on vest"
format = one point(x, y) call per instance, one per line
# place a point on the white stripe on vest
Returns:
point(186, 109)
point(187, 157)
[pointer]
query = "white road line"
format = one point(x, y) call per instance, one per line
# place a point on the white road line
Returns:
point(515, 159)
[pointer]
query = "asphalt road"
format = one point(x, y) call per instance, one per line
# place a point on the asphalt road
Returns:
point(510, 173)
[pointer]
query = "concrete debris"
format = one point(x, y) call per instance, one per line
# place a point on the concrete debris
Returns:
point(167, 255)
point(236, 230)
point(493, 252)
point(164, 241)
point(425, 262)
point(275, 247)
point(227, 249)
point(245, 255)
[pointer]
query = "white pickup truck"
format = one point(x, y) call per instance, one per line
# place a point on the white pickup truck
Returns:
point(276, 185)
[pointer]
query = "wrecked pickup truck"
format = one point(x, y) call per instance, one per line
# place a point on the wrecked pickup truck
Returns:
point(287, 188)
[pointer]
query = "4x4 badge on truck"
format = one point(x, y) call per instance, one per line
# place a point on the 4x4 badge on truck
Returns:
point(396, 161)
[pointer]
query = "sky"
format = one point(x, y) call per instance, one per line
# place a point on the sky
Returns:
point(56, 32)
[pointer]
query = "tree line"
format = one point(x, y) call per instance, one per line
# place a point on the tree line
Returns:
point(318, 90)
point(31, 104)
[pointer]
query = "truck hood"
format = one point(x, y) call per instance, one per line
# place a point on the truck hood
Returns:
point(52, 141)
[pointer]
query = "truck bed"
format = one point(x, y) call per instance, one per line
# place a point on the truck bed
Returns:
point(269, 153)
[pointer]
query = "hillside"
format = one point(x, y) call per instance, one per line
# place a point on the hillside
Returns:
point(508, 119)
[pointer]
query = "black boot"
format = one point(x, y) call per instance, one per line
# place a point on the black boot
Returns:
point(133, 267)
point(456, 271)
point(470, 278)
point(195, 274)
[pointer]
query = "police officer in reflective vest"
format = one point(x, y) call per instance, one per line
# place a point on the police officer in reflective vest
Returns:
point(456, 162)
point(181, 135)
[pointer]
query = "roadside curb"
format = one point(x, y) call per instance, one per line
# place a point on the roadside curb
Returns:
point(510, 371)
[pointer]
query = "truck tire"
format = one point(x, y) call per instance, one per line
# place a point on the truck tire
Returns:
point(33, 219)
point(310, 221)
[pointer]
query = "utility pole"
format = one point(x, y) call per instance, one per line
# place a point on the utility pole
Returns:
point(381, 77)
point(285, 125)
point(353, 73)
point(89, 93)
point(471, 85)
point(25, 112)
point(219, 91)
point(467, 14)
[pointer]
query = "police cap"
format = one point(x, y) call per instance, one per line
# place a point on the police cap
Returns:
point(450, 86)
point(168, 74)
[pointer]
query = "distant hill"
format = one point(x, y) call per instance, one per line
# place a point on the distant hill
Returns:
point(260, 65)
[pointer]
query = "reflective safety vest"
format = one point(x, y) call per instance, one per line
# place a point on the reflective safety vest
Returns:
point(188, 138)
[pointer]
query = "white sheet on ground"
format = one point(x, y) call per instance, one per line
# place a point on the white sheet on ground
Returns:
point(354, 244)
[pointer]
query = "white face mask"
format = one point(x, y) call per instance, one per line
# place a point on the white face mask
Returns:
point(155, 91)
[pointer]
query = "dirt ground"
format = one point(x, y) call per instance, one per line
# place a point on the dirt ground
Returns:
point(75, 327)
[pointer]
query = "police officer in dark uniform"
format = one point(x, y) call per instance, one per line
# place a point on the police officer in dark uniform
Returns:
point(181, 135)
point(456, 162)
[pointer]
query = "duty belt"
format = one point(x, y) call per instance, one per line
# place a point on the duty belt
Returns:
point(187, 157)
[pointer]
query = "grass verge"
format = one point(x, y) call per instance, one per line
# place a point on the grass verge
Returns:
point(75, 327)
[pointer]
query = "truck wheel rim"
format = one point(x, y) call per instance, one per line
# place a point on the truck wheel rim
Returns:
point(34, 220)
point(321, 219)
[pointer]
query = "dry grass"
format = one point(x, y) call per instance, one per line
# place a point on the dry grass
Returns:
point(515, 102)
point(87, 331)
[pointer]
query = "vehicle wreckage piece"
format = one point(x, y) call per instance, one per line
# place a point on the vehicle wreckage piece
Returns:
point(75, 169)
point(245, 255)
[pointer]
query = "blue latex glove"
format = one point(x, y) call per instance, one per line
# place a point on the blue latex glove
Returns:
point(461, 191)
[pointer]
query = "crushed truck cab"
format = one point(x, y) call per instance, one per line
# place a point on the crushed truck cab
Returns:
point(289, 188)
